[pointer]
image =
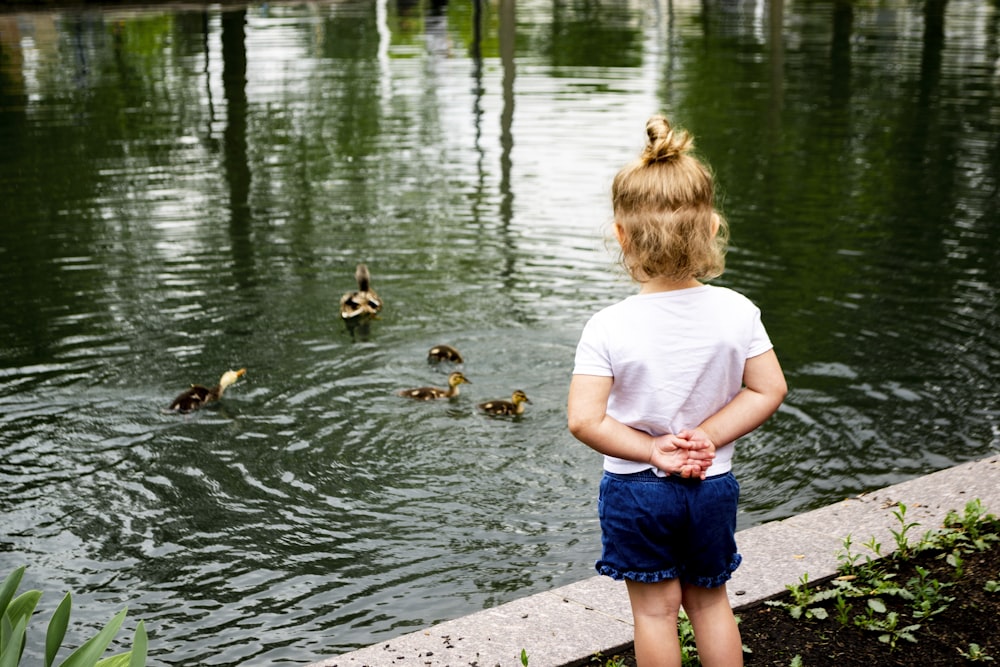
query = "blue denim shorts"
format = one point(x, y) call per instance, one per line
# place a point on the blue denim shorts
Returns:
point(656, 528)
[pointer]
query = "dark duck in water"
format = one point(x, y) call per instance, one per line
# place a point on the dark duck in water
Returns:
point(197, 395)
point(363, 302)
point(447, 353)
point(514, 406)
point(429, 393)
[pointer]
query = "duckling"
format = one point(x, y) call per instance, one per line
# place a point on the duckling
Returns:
point(428, 393)
point(364, 301)
point(197, 395)
point(440, 353)
point(515, 406)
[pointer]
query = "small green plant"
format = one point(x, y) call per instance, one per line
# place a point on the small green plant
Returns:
point(842, 610)
point(975, 654)
point(886, 585)
point(804, 600)
point(971, 521)
point(879, 619)
point(874, 546)
point(848, 559)
point(599, 659)
point(992, 586)
point(969, 531)
point(955, 560)
point(524, 657)
point(928, 596)
point(16, 612)
point(689, 652)
point(903, 549)
point(613, 661)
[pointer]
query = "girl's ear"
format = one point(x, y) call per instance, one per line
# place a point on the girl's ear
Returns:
point(716, 223)
point(619, 233)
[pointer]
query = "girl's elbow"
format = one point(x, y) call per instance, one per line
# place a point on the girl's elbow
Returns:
point(781, 390)
point(778, 394)
point(578, 426)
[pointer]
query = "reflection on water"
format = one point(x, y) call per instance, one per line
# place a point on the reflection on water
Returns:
point(189, 190)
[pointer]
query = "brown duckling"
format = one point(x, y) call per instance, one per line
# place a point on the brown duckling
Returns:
point(428, 393)
point(440, 353)
point(197, 395)
point(515, 406)
point(363, 302)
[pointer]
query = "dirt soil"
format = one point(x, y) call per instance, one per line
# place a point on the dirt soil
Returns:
point(774, 638)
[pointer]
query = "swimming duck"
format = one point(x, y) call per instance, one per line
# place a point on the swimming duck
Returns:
point(197, 395)
point(440, 353)
point(364, 301)
point(515, 406)
point(428, 393)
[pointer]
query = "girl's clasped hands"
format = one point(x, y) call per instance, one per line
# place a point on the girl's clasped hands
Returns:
point(688, 453)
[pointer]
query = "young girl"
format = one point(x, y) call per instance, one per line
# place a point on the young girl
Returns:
point(664, 382)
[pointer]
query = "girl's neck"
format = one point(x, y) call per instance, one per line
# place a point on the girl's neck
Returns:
point(667, 285)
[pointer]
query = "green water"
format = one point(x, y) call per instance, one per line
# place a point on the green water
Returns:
point(188, 190)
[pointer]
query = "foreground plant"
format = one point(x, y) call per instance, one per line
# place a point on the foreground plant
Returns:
point(872, 579)
point(16, 613)
point(975, 654)
point(804, 600)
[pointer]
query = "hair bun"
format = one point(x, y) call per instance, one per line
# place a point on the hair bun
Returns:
point(664, 142)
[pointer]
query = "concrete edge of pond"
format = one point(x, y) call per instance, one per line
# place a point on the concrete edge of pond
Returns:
point(568, 625)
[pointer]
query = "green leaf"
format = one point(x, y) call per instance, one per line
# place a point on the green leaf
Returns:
point(134, 658)
point(819, 613)
point(57, 629)
point(10, 585)
point(6, 630)
point(877, 606)
point(91, 651)
point(23, 606)
point(10, 656)
point(120, 660)
point(140, 646)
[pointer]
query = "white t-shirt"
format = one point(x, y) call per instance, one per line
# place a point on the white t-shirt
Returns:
point(676, 357)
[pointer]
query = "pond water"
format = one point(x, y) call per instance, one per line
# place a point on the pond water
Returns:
point(188, 189)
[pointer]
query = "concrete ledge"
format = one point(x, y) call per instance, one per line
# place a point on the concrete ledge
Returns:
point(567, 625)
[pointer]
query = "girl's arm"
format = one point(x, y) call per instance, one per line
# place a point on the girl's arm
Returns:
point(590, 423)
point(764, 389)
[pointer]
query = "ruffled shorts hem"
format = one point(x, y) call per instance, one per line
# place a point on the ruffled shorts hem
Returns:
point(671, 573)
point(641, 577)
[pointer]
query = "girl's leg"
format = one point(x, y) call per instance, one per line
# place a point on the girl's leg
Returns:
point(715, 631)
point(654, 610)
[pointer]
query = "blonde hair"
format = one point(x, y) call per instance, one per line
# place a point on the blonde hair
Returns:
point(664, 205)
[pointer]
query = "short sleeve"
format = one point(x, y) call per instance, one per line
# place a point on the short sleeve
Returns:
point(592, 351)
point(760, 342)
